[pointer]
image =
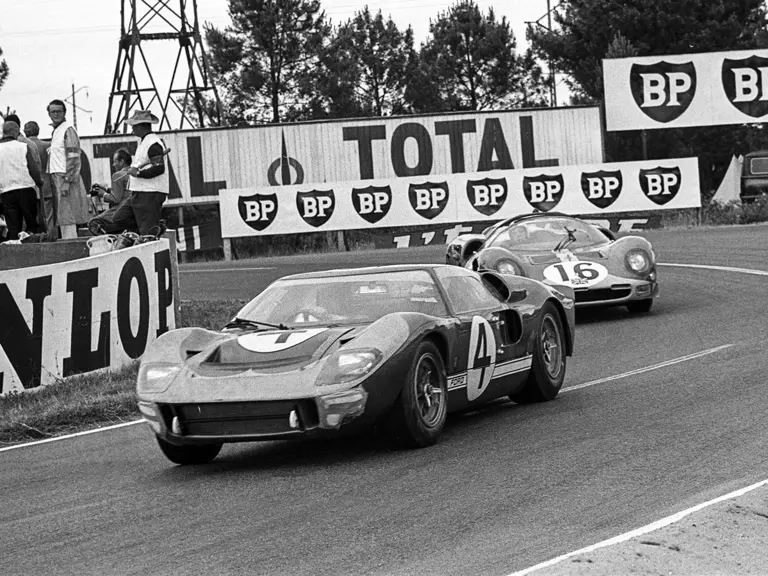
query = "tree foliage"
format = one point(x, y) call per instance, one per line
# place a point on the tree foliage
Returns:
point(590, 30)
point(4, 71)
point(259, 59)
point(470, 63)
point(364, 69)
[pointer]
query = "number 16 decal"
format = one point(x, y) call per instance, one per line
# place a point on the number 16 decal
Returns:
point(576, 273)
point(482, 357)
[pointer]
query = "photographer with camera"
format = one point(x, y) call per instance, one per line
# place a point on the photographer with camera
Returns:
point(114, 197)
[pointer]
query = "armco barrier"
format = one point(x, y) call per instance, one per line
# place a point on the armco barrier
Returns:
point(83, 314)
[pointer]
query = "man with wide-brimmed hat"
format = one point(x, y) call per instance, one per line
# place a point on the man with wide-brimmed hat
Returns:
point(148, 178)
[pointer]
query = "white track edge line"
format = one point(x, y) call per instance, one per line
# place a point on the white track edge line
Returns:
point(644, 529)
point(648, 368)
point(720, 268)
point(74, 435)
point(242, 269)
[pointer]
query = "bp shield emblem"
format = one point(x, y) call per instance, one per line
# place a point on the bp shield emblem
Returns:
point(543, 192)
point(428, 200)
point(372, 203)
point(258, 211)
point(488, 195)
point(663, 91)
point(660, 185)
point(602, 188)
point(316, 206)
point(744, 85)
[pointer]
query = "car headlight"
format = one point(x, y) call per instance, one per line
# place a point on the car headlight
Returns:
point(156, 377)
point(348, 365)
point(638, 261)
point(508, 267)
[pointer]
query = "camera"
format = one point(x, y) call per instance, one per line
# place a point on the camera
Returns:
point(94, 191)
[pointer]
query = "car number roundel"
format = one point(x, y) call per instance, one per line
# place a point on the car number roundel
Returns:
point(576, 273)
point(266, 342)
point(482, 357)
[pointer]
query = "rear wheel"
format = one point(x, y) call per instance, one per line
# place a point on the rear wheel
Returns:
point(189, 455)
point(640, 306)
point(548, 362)
point(419, 414)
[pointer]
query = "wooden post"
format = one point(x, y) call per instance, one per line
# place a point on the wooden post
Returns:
point(227, 245)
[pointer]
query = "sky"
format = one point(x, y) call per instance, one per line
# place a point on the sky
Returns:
point(53, 46)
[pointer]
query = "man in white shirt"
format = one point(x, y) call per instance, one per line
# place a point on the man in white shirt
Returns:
point(19, 175)
point(148, 181)
point(64, 168)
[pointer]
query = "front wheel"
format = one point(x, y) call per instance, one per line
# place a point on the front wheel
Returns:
point(189, 455)
point(640, 306)
point(421, 409)
point(548, 362)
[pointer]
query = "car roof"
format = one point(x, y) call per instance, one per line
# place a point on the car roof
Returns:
point(362, 271)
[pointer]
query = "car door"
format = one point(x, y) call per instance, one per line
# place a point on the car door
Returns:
point(486, 363)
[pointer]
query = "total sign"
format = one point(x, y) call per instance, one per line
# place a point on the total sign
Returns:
point(686, 90)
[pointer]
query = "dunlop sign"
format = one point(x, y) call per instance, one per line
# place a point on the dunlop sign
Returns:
point(72, 317)
point(686, 90)
point(591, 189)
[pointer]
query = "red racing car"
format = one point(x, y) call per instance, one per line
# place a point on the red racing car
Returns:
point(562, 250)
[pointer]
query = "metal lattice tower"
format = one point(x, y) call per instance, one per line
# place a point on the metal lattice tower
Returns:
point(190, 99)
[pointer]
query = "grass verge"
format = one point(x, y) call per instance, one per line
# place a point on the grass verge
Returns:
point(93, 400)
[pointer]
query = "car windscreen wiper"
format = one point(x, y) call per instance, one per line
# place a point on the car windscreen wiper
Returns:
point(567, 241)
point(239, 322)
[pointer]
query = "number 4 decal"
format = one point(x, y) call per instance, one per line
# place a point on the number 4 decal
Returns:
point(482, 357)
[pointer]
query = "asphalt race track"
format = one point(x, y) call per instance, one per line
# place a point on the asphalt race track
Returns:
point(507, 486)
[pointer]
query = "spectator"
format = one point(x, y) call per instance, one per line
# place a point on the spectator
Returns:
point(114, 197)
point(64, 168)
point(18, 177)
point(148, 179)
point(46, 208)
point(27, 141)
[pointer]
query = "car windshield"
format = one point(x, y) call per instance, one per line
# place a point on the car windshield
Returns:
point(358, 298)
point(546, 234)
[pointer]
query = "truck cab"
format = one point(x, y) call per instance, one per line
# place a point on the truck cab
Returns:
point(754, 175)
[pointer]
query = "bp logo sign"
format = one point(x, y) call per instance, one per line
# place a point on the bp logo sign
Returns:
point(660, 184)
point(543, 192)
point(258, 211)
point(602, 188)
point(663, 91)
point(745, 83)
point(316, 206)
point(372, 203)
point(488, 195)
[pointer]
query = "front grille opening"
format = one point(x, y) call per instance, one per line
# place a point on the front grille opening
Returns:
point(241, 419)
point(601, 294)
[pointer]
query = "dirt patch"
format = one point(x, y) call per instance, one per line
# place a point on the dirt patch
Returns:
point(728, 538)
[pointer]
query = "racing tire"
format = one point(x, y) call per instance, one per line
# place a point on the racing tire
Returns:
point(548, 363)
point(640, 306)
point(419, 414)
point(189, 455)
